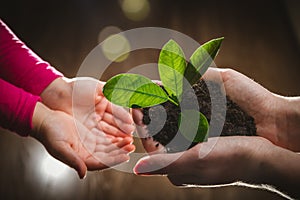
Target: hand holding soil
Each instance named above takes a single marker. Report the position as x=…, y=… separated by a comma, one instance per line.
x=228, y=119
x=250, y=159
x=276, y=117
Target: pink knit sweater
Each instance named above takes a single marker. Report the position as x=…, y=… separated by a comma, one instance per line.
x=23, y=77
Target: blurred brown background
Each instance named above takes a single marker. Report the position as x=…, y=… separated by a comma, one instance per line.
x=262, y=40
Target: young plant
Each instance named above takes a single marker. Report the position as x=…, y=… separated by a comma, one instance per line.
x=137, y=91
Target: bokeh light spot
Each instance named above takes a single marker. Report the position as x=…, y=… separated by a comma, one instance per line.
x=108, y=31
x=116, y=48
x=135, y=10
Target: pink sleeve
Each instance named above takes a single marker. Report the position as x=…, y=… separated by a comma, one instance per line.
x=22, y=67
x=16, y=108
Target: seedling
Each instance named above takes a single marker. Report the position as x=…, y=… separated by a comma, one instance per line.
x=137, y=91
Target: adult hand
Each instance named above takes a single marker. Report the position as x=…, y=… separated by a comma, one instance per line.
x=238, y=158
x=71, y=142
x=277, y=118
x=225, y=160
x=220, y=160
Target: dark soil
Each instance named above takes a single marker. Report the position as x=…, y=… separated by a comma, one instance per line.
x=162, y=122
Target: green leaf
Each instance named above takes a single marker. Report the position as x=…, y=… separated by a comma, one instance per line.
x=133, y=90
x=193, y=125
x=201, y=60
x=171, y=67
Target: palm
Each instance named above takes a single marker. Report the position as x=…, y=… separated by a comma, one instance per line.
x=257, y=101
x=71, y=142
x=83, y=99
x=94, y=114
x=100, y=150
x=91, y=108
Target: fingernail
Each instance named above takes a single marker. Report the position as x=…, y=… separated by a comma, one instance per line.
x=138, y=170
x=84, y=175
x=142, y=167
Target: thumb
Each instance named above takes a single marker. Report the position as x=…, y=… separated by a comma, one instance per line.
x=158, y=164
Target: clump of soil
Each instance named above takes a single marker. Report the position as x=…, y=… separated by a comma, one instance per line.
x=162, y=122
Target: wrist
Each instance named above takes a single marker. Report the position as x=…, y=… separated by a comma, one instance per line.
x=288, y=122
x=255, y=153
x=280, y=169
x=40, y=113
x=58, y=95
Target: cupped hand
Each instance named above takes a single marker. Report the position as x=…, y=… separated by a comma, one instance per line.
x=83, y=99
x=221, y=160
x=92, y=125
x=81, y=148
x=275, y=116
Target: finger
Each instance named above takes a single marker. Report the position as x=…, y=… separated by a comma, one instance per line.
x=159, y=164
x=98, y=133
x=101, y=105
x=98, y=90
x=137, y=116
x=118, y=159
x=100, y=162
x=101, y=137
x=110, y=119
x=105, y=141
x=140, y=127
x=94, y=163
x=124, y=150
x=120, y=113
x=69, y=157
x=92, y=120
x=181, y=180
x=106, y=148
x=213, y=74
x=142, y=132
x=113, y=160
x=153, y=147
x=150, y=145
x=126, y=146
x=100, y=87
x=112, y=150
x=129, y=148
x=111, y=130
x=124, y=142
x=113, y=146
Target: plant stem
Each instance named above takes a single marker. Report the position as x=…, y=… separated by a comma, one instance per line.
x=173, y=101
